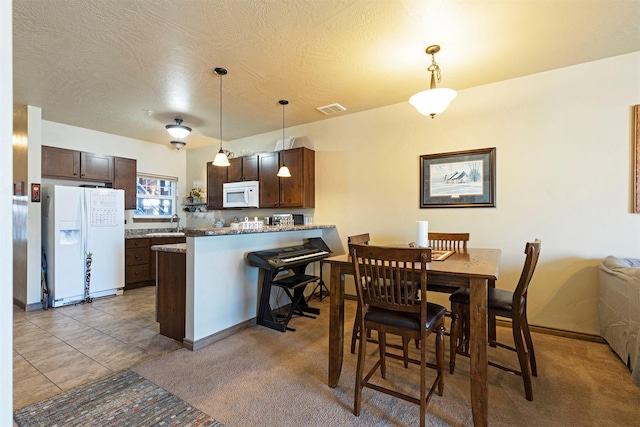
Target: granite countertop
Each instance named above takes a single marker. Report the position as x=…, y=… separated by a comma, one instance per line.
x=226, y=231
x=144, y=233
x=221, y=231
x=179, y=248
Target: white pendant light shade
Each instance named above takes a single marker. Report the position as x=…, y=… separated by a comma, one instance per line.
x=432, y=101
x=284, y=172
x=221, y=159
x=178, y=130
x=178, y=144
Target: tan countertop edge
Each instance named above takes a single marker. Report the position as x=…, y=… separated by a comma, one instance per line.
x=228, y=231
x=180, y=248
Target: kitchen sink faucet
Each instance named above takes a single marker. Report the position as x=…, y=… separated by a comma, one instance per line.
x=177, y=218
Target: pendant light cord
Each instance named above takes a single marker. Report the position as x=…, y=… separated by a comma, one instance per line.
x=221, y=111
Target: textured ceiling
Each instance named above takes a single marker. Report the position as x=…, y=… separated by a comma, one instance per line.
x=102, y=64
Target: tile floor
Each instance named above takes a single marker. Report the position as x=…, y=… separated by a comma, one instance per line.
x=61, y=348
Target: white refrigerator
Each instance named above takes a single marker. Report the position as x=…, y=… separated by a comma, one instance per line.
x=76, y=222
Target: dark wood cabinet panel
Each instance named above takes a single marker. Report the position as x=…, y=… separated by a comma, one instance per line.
x=269, y=181
x=137, y=256
x=77, y=165
x=250, y=168
x=153, y=254
x=234, y=171
x=136, y=262
x=96, y=167
x=125, y=175
x=298, y=191
x=216, y=176
x=140, y=260
x=172, y=294
x=60, y=162
x=243, y=169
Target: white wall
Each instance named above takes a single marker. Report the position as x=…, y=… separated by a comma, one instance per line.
x=564, y=175
x=6, y=191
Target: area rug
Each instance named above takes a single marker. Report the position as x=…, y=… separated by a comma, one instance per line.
x=122, y=399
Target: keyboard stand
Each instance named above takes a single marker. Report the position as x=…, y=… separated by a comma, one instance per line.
x=294, y=287
x=321, y=288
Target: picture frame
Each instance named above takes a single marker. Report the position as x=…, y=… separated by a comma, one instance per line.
x=35, y=192
x=636, y=151
x=461, y=179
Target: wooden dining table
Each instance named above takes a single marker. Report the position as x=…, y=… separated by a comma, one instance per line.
x=473, y=268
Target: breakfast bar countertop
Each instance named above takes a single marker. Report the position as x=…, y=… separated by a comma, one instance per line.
x=226, y=231
x=218, y=231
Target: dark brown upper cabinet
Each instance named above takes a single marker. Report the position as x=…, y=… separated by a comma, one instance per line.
x=243, y=169
x=73, y=164
x=96, y=167
x=298, y=191
x=125, y=178
x=216, y=176
x=60, y=163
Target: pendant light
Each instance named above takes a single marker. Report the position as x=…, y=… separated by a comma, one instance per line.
x=434, y=100
x=178, y=144
x=283, y=172
x=178, y=130
x=221, y=158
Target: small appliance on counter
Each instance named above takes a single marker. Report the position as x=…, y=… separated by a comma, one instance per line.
x=288, y=219
x=251, y=225
x=282, y=219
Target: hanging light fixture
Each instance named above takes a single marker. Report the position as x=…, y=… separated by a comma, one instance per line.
x=178, y=130
x=221, y=158
x=433, y=101
x=283, y=172
x=178, y=144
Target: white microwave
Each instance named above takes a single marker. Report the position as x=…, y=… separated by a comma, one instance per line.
x=243, y=194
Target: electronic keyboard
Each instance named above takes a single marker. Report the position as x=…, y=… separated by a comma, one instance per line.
x=292, y=256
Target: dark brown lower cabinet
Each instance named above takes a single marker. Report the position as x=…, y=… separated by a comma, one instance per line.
x=171, y=293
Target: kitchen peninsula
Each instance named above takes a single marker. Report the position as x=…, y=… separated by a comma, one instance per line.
x=221, y=289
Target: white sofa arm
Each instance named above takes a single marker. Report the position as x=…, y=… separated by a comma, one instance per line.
x=620, y=309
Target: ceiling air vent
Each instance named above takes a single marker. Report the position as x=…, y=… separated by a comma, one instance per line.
x=331, y=109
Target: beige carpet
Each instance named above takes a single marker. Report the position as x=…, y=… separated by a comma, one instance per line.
x=260, y=377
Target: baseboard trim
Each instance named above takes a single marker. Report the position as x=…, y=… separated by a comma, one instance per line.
x=203, y=342
x=28, y=307
x=558, y=332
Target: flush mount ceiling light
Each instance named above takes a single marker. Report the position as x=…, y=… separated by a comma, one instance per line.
x=283, y=172
x=221, y=158
x=434, y=100
x=178, y=130
x=178, y=144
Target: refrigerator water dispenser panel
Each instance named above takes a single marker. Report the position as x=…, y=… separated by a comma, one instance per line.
x=70, y=232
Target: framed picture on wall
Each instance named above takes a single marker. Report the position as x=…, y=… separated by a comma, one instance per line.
x=460, y=179
x=636, y=145
x=35, y=192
